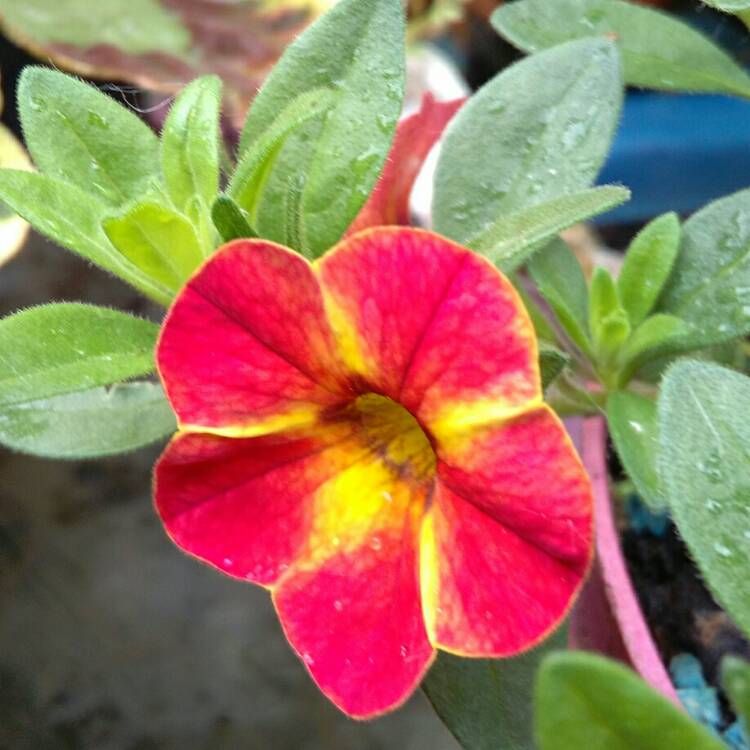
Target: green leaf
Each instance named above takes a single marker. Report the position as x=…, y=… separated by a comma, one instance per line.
x=559, y=279
x=704, y=464
x=54, y=361
x=229, y=220
x=585, y=701
x=604, y=298
x=135, y=26
x=656, y=337
x=609, y=337
x=542, y=326
x=254, y=170
x=159, y=241
x=729, y=6
x=608, y=322
x=86, y=424
x=648, y=263
x=78, y=134
x=486, y=703
x=60, y=348
x=710, y=282
x=512, y=240
x=356, y=49
x=634, y=428
x=551, y=363
x=545, y=125
x=67, y=215
x=735, y=677
x=190, y=144
x=13, y=229
x=658, y=50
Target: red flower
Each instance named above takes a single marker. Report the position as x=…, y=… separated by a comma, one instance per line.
x=365, y=436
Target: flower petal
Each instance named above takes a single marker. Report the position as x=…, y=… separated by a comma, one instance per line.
x=508, y=539
x=246, y=348
x=351, y=605
x=415, y=136
x=245, y=505
x=432, y=325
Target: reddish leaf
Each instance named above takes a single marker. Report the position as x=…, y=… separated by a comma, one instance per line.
x=238, y=41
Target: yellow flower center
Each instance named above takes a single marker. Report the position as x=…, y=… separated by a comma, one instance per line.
x=395, y=435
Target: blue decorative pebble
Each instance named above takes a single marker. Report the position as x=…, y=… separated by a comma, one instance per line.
x=642, y=519
x=702, y=704
x=700, y=700
x=736, y=737
x=687, y=672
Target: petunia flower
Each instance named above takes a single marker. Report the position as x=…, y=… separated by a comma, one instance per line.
x=365, y=437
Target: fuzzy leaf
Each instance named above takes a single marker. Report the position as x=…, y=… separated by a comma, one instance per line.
x=634, y=428
x=709, y=286
x=560, y=280
x=159, y=241
x=229, y=220
x=704, y=464
x=190, y=144
x=486, y=703
x=72, y=218
x=76, y=133
x=658, y=50
x=251, y=176
x=544, y=330
x=729, y=6
x=13, y=229
x=545, y=125
x=585, y=701
x=551, y=363
x=357, y=50
x=657, y=336
x=604, y=299
x=87, y=424
x=61, y=348
x=648, y=263
x=514, y=238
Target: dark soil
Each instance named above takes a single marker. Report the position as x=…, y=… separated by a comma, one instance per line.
x=682, y=614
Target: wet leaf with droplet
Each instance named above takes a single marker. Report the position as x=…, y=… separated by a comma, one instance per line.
x=704, y=465
x=709, y=286
x=658, y=50
x=325, y=170
x=55, y=360
x=534, y=148
x=633, y=426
